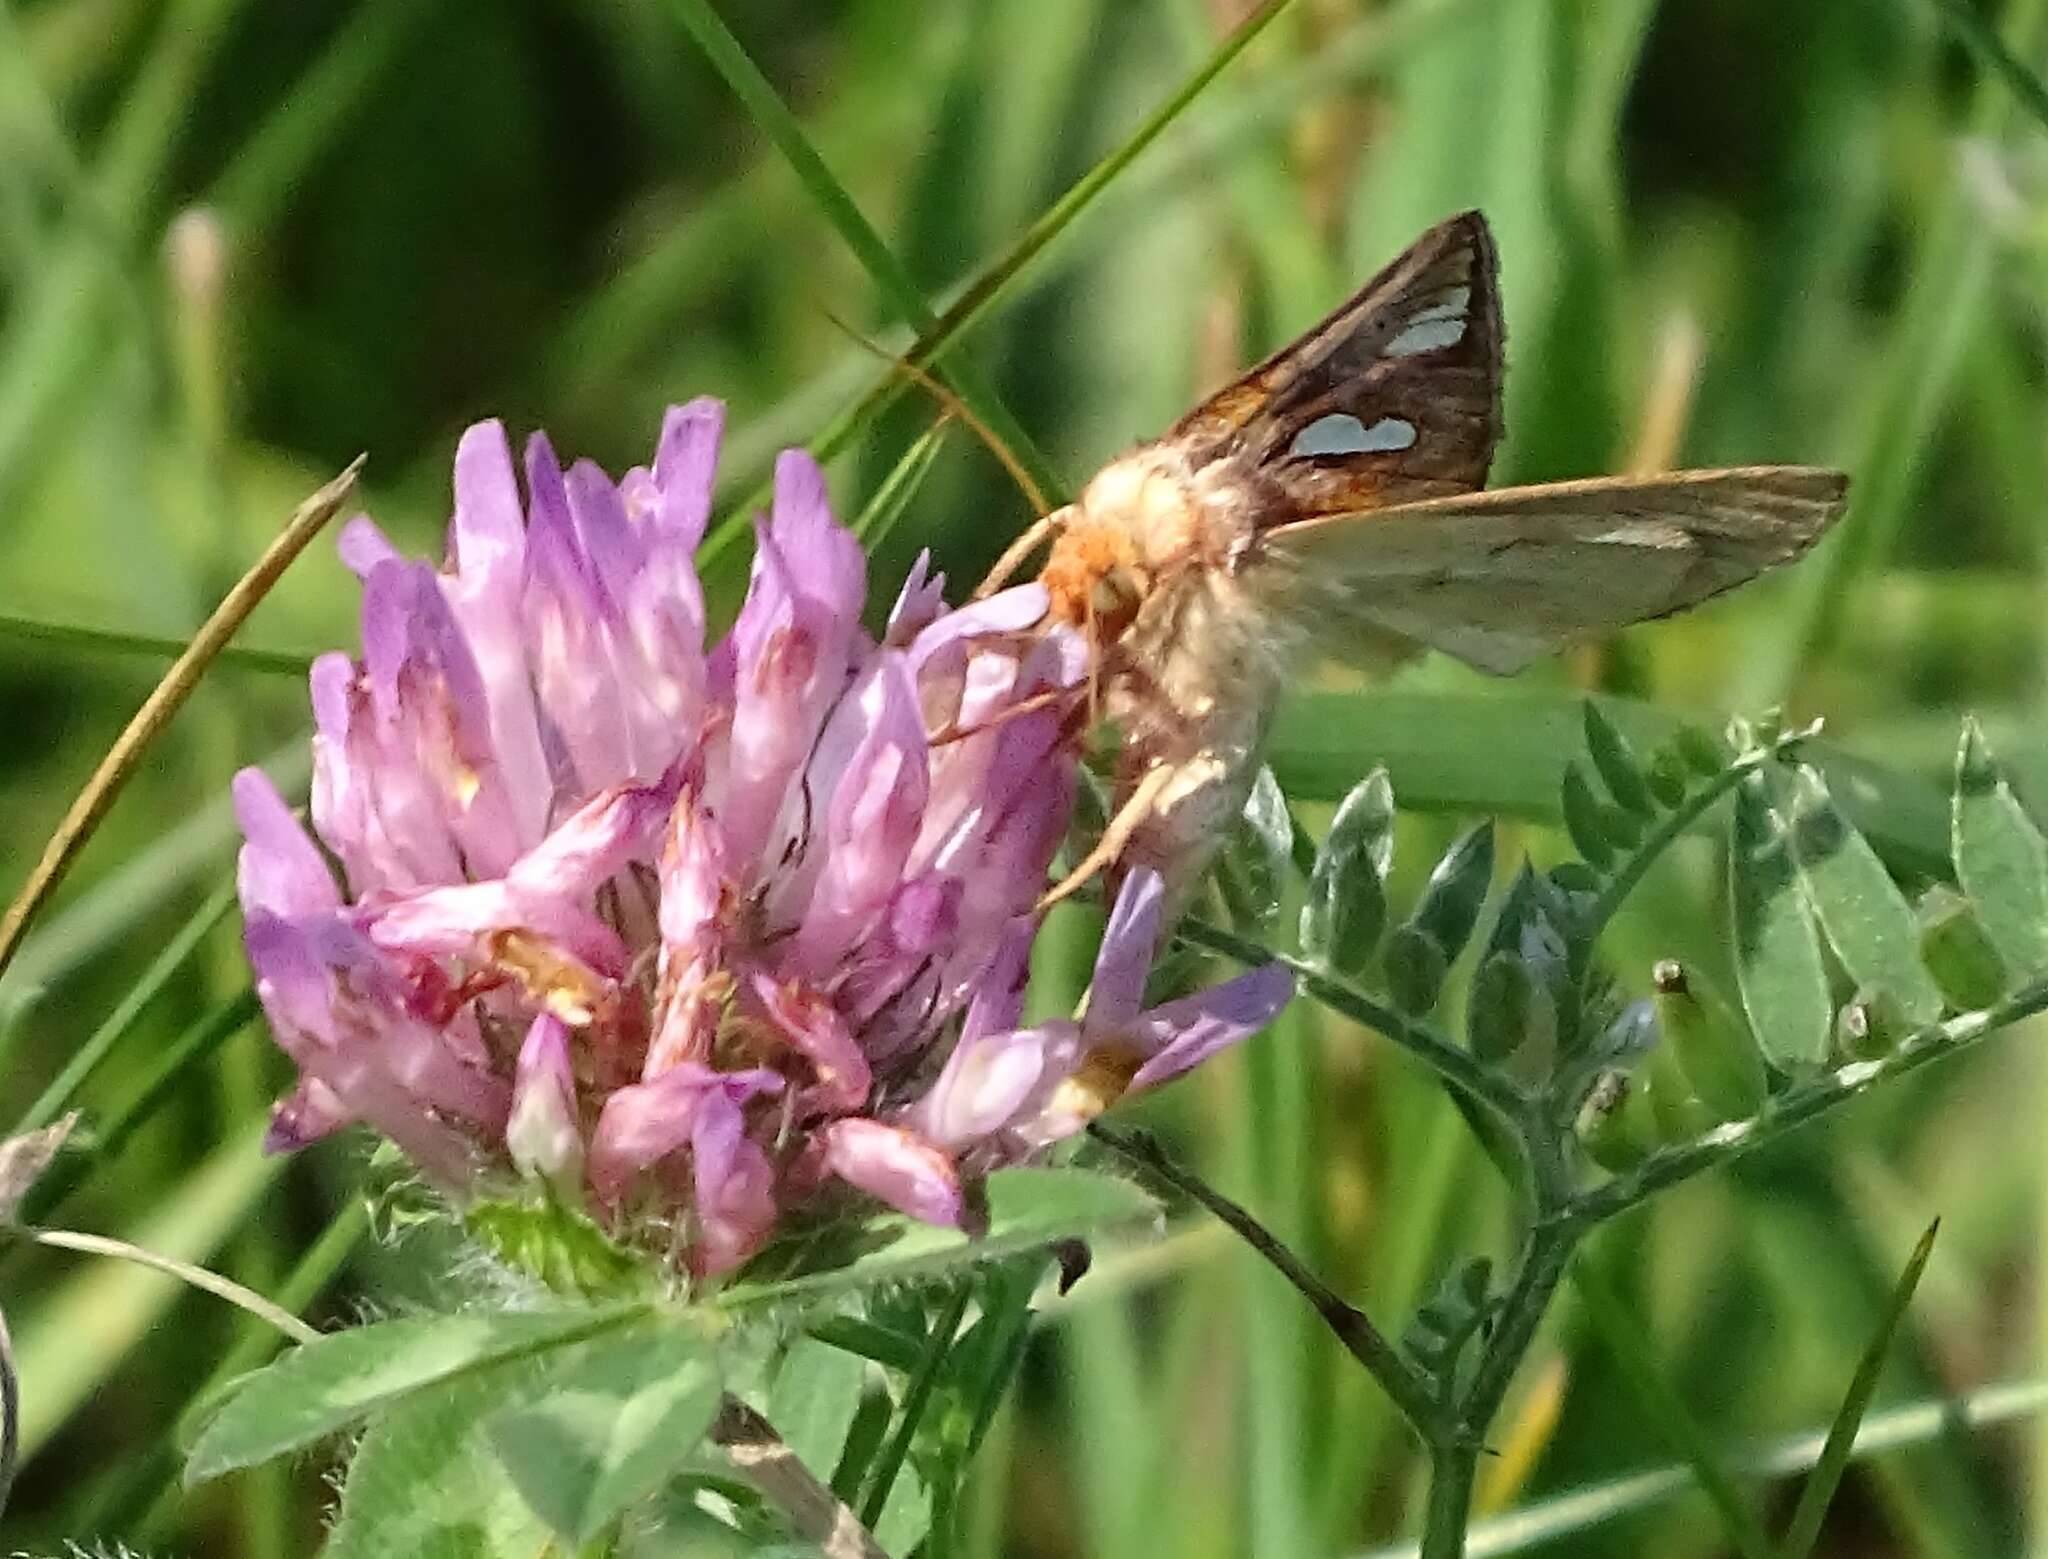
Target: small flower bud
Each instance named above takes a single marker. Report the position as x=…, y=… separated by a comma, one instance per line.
x=541, y=1132
x=1713, y=1050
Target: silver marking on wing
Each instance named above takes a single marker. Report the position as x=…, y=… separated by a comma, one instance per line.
x=1340, y=433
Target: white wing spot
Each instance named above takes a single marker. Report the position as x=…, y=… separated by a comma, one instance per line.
x=1342, y=434
x=1426, y=334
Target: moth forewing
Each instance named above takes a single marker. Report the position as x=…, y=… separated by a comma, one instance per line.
x=1502, y=578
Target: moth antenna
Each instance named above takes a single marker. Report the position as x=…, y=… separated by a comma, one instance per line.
x=954, y=407
x=1014, y=555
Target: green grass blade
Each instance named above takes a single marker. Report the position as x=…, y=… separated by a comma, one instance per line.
x=1657, y=1401
x=892, y=499
x=1476, y=753
x=64, y=1087
x=1946, y=301
x=90, y=638
x=1819, y=1490
x=992, y=283
x=897, y=287
x=1982, y=40
x=116, y=1303
x=312, y=113
x=1578, y=1511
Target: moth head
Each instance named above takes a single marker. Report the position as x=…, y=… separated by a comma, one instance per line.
x=1133, y=522
x=1094, y=577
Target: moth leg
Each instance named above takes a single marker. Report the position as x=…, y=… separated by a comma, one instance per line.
x=1130, y=817
x=1041, y=530
x=1031, y=705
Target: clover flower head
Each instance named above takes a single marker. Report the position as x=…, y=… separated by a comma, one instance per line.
x=690, y=937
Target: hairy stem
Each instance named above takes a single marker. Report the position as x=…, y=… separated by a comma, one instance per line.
x=1451, y=1471
x=1546, y=1254
x=1351, y=1326
x=1490, y=1090
x=1799, y=1104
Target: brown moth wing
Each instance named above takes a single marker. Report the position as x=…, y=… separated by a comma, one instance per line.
x=1395, y=397
x=1499, y=579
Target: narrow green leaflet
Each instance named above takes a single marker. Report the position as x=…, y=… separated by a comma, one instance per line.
x=1449, y=906
x=327, y=1385
x=1258, y=857
x=423, y=1482
x=1586, y=819
x=604, y=1423
x=1502, y=1011
x=1777, y=951
x=2001, y=859
x=1027, y=1208
x=1819, y=1490
x=1347, y=897
x=1867, y=920
x=1620, y=770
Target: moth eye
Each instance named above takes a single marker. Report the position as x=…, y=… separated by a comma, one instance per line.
x=1342, y=434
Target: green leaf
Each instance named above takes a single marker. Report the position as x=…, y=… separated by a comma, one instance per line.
x=1819, y=1490
x=1867, y=919
x=1507, y=1010
x=1958, y=952
x=1778, y=964
x=1451, y=899
x=813, y=1398
x=1258, y=857
x=1620, y=770
x=1668, y=778
x=423, y=1481
x=602, y=1424
x=1585, y=819
x=1347, y=899
x=891, y=279
x=2001, y=860
x=1532, y=927
x=561, y=1246
x=1416, y=966
x=1027, y=1208
x=1702, y=749
x=327, y=1385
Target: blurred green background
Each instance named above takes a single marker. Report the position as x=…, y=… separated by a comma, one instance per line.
x=241, y=242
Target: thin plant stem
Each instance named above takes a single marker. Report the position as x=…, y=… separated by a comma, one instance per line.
x=1491, y=1090
x=186, y=1272
x=157, y=710
x=1350, y=1325
x=916, y=1398
x=1799, y=1104
x=1452, y=1469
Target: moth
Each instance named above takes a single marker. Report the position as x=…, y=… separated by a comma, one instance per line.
x=1333, y=499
